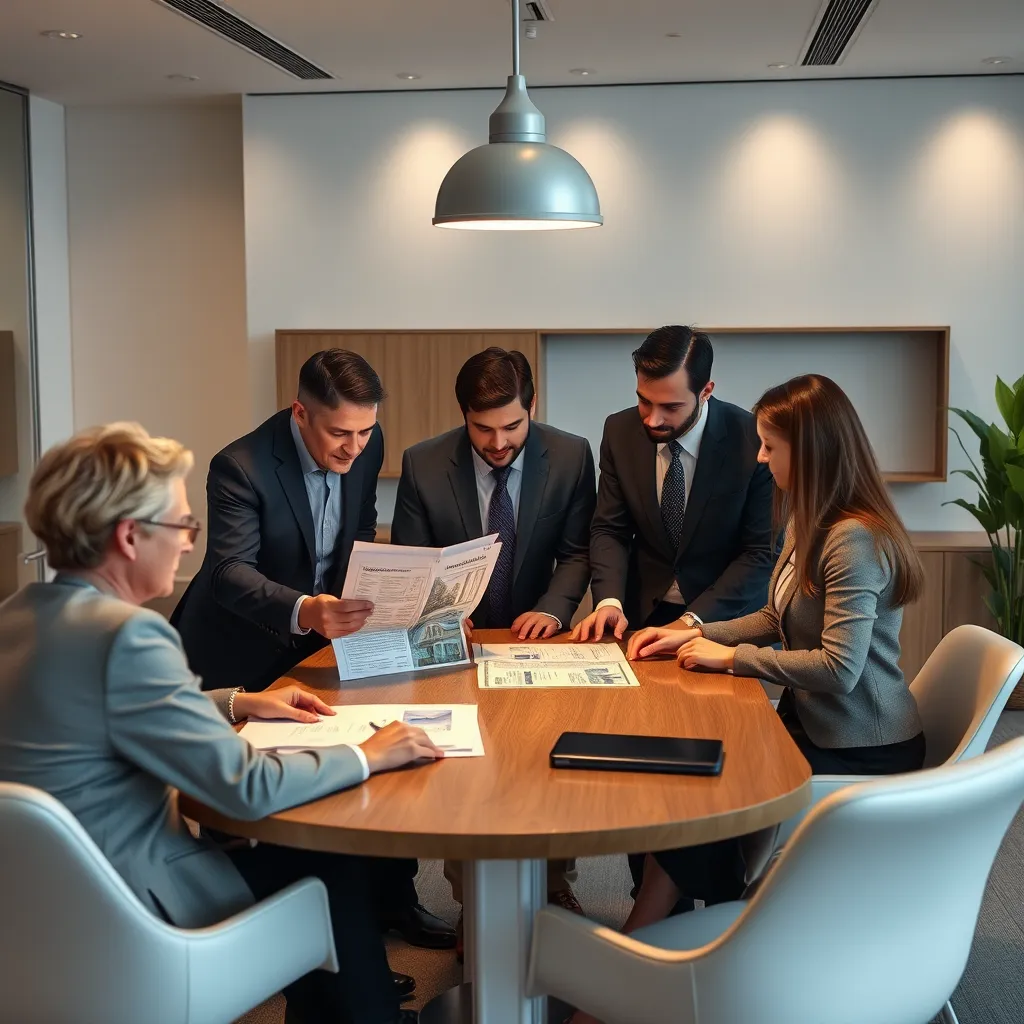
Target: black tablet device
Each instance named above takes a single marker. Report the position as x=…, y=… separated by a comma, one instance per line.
x=617, y=753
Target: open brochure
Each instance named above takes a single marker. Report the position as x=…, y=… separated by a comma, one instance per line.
x=453, y=727
x=420, y=598
x=500, y=666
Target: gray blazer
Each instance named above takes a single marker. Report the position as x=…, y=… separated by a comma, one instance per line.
x=99, y=708
x=841, y=648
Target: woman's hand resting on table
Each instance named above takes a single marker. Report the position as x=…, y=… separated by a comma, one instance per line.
x=703, y=653
x=291, y=702
x=655, y=640
x=397, y=744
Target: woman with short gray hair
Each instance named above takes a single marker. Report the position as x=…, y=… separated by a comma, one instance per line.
x=99, y=708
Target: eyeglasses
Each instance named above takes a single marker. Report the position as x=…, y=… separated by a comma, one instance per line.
x=191, y=524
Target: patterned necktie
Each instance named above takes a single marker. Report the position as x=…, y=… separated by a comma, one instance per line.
x=501, y=520
x=673, y=496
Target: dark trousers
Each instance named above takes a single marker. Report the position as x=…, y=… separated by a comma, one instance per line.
x=363, y=991
x=715, y=872
x=392, y=884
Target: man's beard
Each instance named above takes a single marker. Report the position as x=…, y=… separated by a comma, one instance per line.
x=663, y=437
x=508, y=462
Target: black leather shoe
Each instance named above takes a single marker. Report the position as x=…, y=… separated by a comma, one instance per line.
x=404, y=986
x=408, y=1017
x=419, y=927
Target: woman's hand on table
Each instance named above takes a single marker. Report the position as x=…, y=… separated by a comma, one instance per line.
x=291, y=702
x=397, y=744
x=655, y=640
x=699, y=652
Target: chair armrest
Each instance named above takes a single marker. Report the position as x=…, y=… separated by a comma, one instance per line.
x=237, y=964
x=607, y=974
x=821, y=787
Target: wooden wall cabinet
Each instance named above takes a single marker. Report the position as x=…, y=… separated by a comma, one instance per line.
x=10, y=552
x=8, y=407
x=954, y=593
x=418, y=370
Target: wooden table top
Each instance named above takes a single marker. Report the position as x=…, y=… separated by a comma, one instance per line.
x=512, y=804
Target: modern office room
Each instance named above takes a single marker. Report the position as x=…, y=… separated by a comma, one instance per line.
x=511, y=512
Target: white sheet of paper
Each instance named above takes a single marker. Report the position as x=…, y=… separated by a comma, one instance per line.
x=453, y=727
x=563, y=653
x=493, y=675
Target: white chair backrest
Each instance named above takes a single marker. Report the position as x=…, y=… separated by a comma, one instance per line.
x=962, y=689
x=75, y=942
x=871, y=909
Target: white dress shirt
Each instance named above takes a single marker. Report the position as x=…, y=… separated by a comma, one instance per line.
x=690, y=442
x=485, y=484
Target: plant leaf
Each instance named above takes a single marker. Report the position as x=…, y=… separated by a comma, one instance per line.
x=1016, y=477
x=972, y=476
x=976, y=423
x=1005, y=399
x=1013, y=504
x=1017, y=424
x=997, y=606
x=986, y=520
x=998, y=445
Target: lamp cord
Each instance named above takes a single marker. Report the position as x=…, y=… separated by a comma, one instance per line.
x=515, y=37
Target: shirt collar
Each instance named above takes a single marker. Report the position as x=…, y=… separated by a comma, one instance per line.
x=306, y=461
x=690, y=441
x=483, y=469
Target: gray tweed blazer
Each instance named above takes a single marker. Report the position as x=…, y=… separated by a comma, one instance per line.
x=841, y=648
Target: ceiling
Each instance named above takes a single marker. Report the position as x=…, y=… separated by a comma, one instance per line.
x=130, y=47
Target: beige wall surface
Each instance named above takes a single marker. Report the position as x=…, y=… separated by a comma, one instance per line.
x=157, y=253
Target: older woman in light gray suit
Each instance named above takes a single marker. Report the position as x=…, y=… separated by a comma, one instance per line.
x=99, y=708
x=835, y=601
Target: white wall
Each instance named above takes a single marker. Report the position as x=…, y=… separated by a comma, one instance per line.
x=156, y=235
x=890, y=202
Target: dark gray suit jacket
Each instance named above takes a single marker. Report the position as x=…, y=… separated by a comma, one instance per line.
x=437, y=505
x=235, y=617
x=725, y=552
x=99, y=708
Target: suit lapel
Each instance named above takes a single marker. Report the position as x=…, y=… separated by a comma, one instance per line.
x=787, y=549
x=462, y=478
x=531, y=494
x=645, y=461
x=289, y=472
x=704, y=475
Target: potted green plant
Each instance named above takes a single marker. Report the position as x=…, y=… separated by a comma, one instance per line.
x=1000, y=508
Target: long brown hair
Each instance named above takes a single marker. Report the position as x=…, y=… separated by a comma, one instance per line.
x=833, y=475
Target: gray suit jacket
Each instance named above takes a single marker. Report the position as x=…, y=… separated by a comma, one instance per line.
x=437, y=505
x=841, y=648
x=99, y=708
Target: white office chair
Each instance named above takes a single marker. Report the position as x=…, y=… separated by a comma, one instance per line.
x=868, y=915
x=77, y=946
x=961, y=691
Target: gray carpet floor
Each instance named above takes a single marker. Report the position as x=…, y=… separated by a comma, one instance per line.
x=990, y=992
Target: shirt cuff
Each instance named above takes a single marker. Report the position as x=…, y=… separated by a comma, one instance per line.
x=358, y=751
x=296, y=628
x=609, y=602
x=556, y=619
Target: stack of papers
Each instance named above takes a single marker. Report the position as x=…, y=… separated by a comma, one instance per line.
x=452, y=727
x=420, y=598
x=551, y=665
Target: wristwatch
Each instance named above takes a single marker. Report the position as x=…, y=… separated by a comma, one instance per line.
x=691, y=621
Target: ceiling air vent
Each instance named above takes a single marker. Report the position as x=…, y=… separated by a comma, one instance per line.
x=230, y=26
x=535, y=10
x=834, y=31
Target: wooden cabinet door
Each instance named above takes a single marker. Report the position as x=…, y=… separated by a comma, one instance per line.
x=965, y=588
x=922, y=620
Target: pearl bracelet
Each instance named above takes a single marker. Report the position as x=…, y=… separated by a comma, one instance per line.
x=231, y=704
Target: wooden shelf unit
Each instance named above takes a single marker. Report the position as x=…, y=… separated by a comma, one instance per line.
x=8, y=407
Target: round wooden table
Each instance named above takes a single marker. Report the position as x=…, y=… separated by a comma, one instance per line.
x=507, y=812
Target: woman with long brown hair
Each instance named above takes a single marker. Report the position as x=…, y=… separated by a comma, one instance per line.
x=835, y=602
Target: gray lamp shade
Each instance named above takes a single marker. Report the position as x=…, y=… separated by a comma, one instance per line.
x=517, y=181
x=518, y=186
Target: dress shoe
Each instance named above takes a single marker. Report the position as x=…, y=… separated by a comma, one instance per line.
x=566, y=899
x=419, y=927
x=408, y=1016
x=405, y=986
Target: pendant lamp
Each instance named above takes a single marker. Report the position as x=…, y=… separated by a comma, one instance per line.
x=517, y=182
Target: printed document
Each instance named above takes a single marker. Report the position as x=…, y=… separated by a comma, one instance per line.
x=452, y=727
x=552, y=665
x=420, y=598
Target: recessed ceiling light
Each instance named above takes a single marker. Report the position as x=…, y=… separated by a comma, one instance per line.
x=56, y=33
x=583, y=72
x=182, y=78
x=408, y=76
x=778, y=67
x=996, y=60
